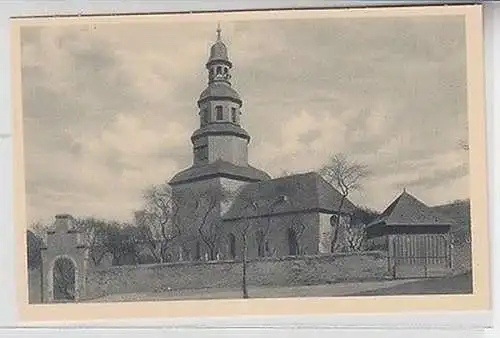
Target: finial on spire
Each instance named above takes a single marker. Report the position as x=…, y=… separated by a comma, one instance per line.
x=218, y=31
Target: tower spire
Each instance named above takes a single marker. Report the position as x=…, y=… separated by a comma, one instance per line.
x=218, y=31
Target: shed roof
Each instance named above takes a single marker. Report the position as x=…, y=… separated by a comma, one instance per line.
x=407, y=210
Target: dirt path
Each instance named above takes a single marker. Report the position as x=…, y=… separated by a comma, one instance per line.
x=447, y=285
x=329, y=290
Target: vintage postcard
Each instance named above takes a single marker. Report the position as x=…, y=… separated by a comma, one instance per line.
x=267, y=163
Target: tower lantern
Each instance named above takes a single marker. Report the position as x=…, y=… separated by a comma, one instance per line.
x=220, y=136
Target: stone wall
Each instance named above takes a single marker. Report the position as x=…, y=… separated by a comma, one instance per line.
x=35, y=286
x=288, y=271
x=462, y=258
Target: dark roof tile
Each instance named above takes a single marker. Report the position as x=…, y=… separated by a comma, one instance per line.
x=220, y=128
x=408, y=210
x=302, y=192
x=219, y=169
x=220, y=90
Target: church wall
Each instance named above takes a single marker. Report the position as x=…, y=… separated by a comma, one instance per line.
x=325, y=233
x=343, y=225
x=228, y=148
x=275, y=233
x=231, y=187
x=192, y=200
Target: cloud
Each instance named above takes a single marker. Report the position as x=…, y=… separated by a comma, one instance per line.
x=108, y=110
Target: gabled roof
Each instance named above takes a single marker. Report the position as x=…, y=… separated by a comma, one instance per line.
x=219, y=169
x=289, y=194
x=407, y=210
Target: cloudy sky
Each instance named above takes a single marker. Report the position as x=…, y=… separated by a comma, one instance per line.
x=109, y=109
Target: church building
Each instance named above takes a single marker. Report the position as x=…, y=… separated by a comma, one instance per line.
x=224, y=205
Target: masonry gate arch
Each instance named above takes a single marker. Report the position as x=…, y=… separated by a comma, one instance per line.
x=64, y=262
x=64, y=279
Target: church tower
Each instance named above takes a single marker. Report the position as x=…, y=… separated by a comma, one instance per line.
x=220, y=136
x=220, y=144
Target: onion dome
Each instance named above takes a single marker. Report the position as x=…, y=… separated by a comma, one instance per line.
x=218, y=51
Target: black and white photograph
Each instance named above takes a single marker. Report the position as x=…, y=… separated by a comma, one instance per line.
x=231, y=157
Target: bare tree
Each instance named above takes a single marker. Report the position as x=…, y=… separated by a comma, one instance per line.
x=104, y=237
x=34, y=244
x=122, y=241
x=95, y=232
x=356, y=230
x=39, y=229
x=267, y=208
x=158, y=221
x=208, y=205
x=355, y=238
x=346, y=175
x=244, y=254
x=299, y=228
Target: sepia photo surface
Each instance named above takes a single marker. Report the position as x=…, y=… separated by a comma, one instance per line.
x=281, y=162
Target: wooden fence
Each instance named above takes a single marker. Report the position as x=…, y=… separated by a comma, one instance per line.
x=420, y=255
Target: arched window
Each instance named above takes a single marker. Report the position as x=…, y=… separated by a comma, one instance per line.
x=334, y=220
x=225, y=70
x=335, y=223
x=181, y=253
x=232, y=246
x=233, y=114
x=218, y=112
x=259, y=236
x=293, y=245
x=197, y=253
x=219, y=70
